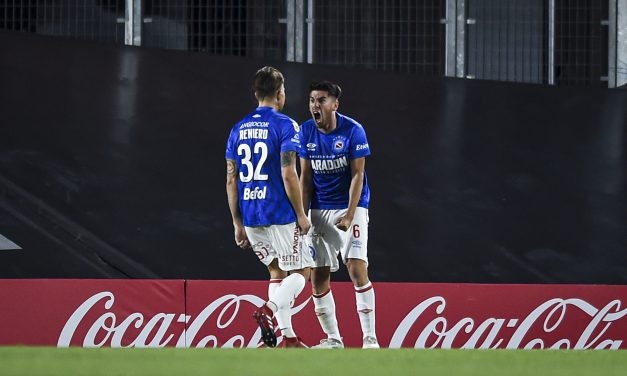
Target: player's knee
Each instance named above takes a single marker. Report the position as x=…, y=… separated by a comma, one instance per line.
x=358, y=271
x=306, y=273
x=320, y=280
x=275, y=271
x=320, y=287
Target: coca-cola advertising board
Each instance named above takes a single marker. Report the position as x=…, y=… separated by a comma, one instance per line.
x=156, y=313
x=91, y=313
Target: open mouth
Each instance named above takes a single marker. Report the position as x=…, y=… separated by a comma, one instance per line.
x=316, y=115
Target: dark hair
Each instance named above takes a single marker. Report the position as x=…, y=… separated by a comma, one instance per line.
x=334, y=90
x=267, y=82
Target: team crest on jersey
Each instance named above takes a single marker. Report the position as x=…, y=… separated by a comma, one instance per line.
x=338, y=144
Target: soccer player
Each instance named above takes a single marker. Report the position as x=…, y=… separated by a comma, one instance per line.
x=335, y=189
x=266, y=204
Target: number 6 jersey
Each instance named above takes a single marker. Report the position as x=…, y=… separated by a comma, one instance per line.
x=255, y=144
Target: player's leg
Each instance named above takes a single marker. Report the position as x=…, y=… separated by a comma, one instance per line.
x=295, y=282
x=262, y=246
x=355, y=255
x=276, y=278
x=297, y=261
x=260, y=242
x=365, y=301
x=278, y=304
x=264, y=314
x=273, y=284
x=324, y=306
x=326, y=241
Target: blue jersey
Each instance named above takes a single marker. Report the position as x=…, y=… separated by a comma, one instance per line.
x=330, y=156
x=256, y=143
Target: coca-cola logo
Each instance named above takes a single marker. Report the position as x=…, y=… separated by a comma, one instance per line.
x=221, y=323
x=442, y=334
x=109, y=329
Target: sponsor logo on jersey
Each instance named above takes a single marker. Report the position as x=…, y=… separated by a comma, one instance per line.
x=296, y=138
x=296, y=244
x=290, y=259
x=255, y=194
x=311, y=146
x=258, y=124
x=361, y=147
x=356, y=244
x=329, y=165
x=256, y=116
x=312, y=252
x=296, y=127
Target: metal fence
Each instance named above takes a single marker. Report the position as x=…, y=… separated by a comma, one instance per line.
x=393, y=35
x=581, y=42
x=236, y=27
x=98, y=20
x=505, y=40
x=561, y=42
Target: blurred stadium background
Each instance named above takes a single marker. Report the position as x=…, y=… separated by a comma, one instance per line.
x=497, y=126
x=555, y=42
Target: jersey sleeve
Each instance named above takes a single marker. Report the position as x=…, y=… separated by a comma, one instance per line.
x=302, y=136
x=359, y=144
x=290, y=137
x=230, y=145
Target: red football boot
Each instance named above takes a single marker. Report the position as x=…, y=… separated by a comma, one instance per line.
x=293, y=342
x=263, y=317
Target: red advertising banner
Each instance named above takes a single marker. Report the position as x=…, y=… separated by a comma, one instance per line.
x=506, y=316
x=154, y=313
x=91, y=313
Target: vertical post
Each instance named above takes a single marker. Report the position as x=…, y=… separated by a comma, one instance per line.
x=620, y=45
x=289, y=35
x=551, y=44
x=461, y=39
x=612, y=46
x=299, y=30
x=128, y=22
x=138, y=19
x=450, y=30
x=310, y=30
x=133, y=23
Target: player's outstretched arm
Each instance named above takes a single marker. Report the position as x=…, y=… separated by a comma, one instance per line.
x=292, y=188
x=233, y=197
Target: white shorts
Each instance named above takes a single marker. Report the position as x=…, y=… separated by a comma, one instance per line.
x=329, y=241
x=282, y=242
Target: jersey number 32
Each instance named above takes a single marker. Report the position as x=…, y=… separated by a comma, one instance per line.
x=252, y=172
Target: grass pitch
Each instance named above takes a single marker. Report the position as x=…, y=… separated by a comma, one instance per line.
x=297, y=362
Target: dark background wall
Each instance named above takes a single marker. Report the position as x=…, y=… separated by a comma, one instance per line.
x=112, y=165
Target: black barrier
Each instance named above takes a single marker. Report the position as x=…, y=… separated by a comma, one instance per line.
x=112, y=164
